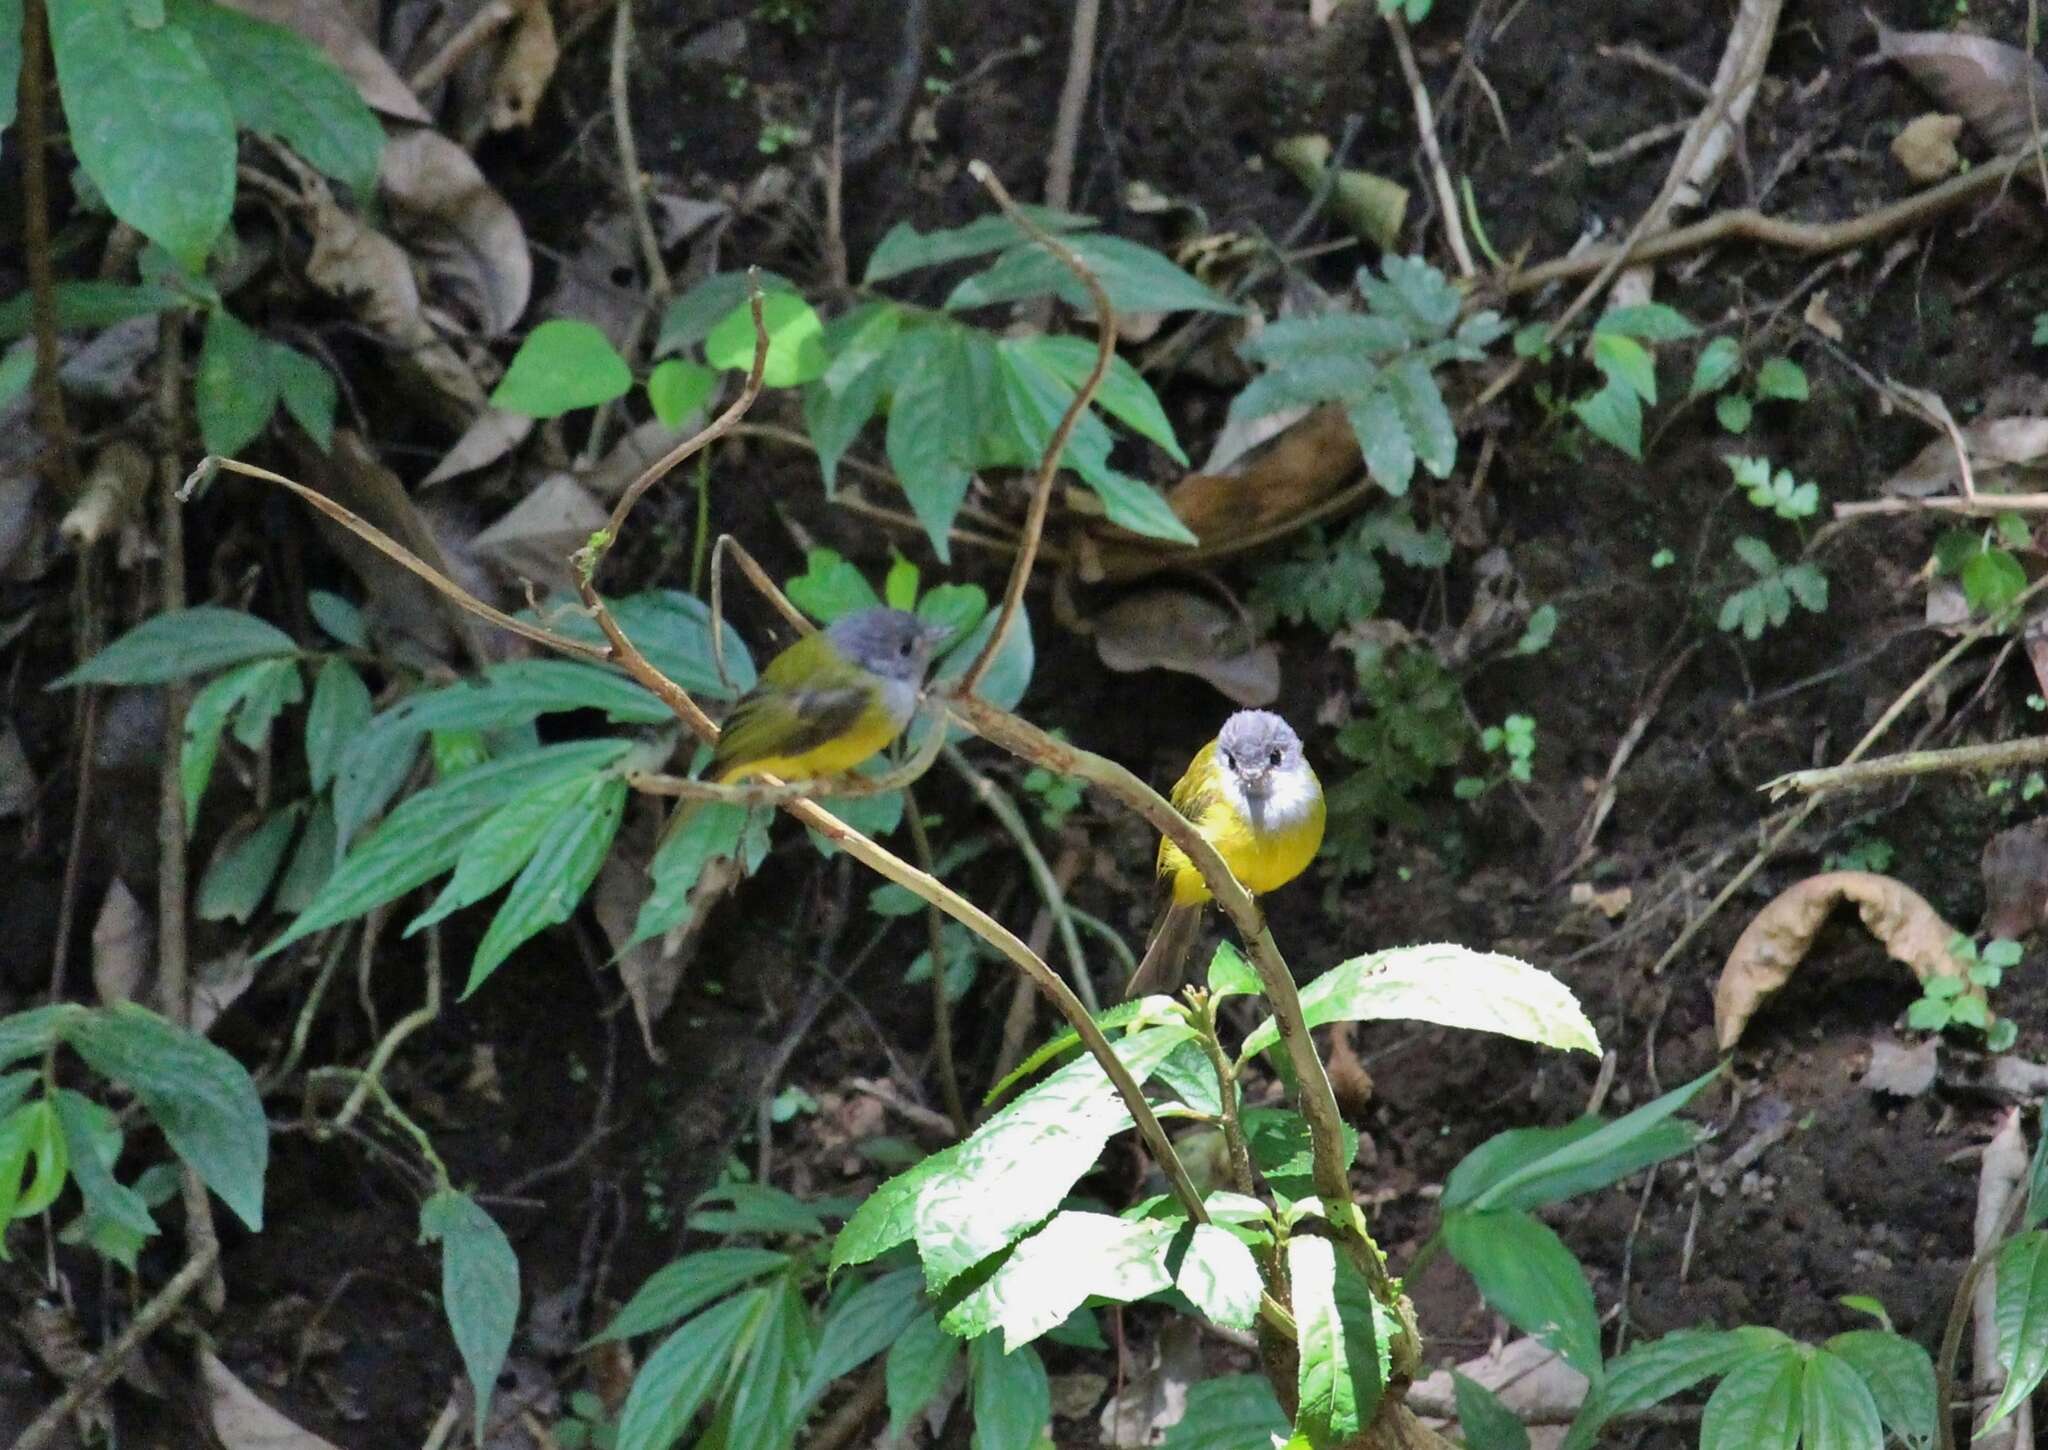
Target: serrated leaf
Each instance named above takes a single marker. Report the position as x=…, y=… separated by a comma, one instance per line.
x=149, y=123
x=1124, y=394
x=1450, y=985
x=504, y=842
x=1012, y=1399
x=905, y=249
x=479, y=1288
x=1649, y=321
x=1383, y=439
x=2021, y=1314
x=1717, y=363
x=1414, y=293
x=1343, y=1343
x=199, y=1095
x=1423, y=412
x=796, y=350
x=1230, y=974
x=1525, y=1271
x=1836, y=1407
x=940, y=395
x=1756, y=1406
x=763, y=1406
x=1233, y=1412
x=1283, y=1151
x=234, y=390
x=282, y=86
x=1653, y=1372
x=563, y=364
x=1220, y=1278
x=554, y=880
x=178, y=644
x=1076, y=1256
x=687, y=1285
x=682, y=1373
x=1135, y=278
x=919, y=1364
x=863, y=1325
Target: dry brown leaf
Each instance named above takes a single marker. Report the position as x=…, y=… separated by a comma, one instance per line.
x=244, y=1422
x=1901, y=1069
x=1986, y=80
x=598, y=283
x=1820, y=319
x=525, y=66
x=494, y=434
x=534, y=540
x=1156, y=1397
x=1610, y=904
x=112, y=492
x=1349, y=1079
x=1778, y=938
x=1527, y=1375
x=1233, y=512
x=653, y=970
x=330, y=27
x=1176, y=629
x=1927, y=147
x=123, y=946
x=2015, y=871
x=1997, y=447
x=218, y=984
x=471, y=239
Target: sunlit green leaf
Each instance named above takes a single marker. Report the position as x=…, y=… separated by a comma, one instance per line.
x=1525, y=1271
x=563, y=364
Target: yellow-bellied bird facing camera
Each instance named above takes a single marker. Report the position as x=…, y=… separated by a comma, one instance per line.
x=1252, y=795
x=830, y=701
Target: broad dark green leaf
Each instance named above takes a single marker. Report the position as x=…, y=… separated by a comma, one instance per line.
x=178, y=644
x=673, y=629
x=201, y=1097
x=765, y=1404
x=1282, y=1152
x=708, y=831
x=1649, y=321
x=687, y=1285
x=1450, y=985
x=917, y=1368
x=1757, y=1405
x=282, y=86
x=1836, y=1406
x=341, y=619
x=426, y=835
x=905, y=249
x=946, y=383
x=1529, y=1168
x=205, y=719
x=863, y=1325
x=2021, y=1313
x=341, y=709
x=49, y=1155
x=30, y=1033
x=564, y=363
x=307, y=390
x=1007, y=678
x=1900, y=1377
x=692, y=315
x=1233, y=1412
x=796, y=348
x=834, y=419
x=10, y=59
x=503, y=844
x=1486, y=1422
x=239, y=876
x=273, y=684
x=1653, y=1372
x=83, y=305
x=1188, y=1074
x=1124, y=393
x=1343, y=1342
x=564, y=864
x=1018, y=1165
x=312, y=861
x=94, y=1136
x=1136, y=279
x=1011, y=1397
x=1230, y=975
x=149, y=123
x=1054, y=1271
x=479, y=1288
x=758, y=1208
x=1525, y=1271
x=1614, y=414
x=682, y=1373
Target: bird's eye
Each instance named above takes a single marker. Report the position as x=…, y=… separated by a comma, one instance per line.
x=1229, y=760
x=906, y=647
x=1273, y=759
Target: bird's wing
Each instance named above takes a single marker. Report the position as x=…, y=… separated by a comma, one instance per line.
x=1193, y=796
x=760, y=727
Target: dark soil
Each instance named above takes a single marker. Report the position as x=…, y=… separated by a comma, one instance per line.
x=332, y=1307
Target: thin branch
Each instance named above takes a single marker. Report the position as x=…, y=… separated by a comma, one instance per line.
x=1066, y=124
x=942, y=1001
x=1049, y=465
x=35, y=239
x=1984, y=504
x=658, y=282
x=2002, y=755
x=1425, y=124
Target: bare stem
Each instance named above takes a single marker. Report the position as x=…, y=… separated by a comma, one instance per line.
x=2000, y=755
x=942, y=1003
x=35, y=237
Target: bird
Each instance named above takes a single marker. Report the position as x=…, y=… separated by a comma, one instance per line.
x=1253, y=795
x=831, y=701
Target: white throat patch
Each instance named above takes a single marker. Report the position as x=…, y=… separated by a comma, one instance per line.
x=1291, y=794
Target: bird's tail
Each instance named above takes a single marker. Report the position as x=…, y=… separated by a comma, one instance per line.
x=1166, y=951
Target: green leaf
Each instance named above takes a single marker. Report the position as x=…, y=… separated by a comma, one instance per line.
x=918, y=1366
x=834, y=418
x=947, y=382
x=563, y=364
x=479, y=1288
x=503, y=844
x=562, y=868
x=1529, y=1168
x=710, y=831
x=830, y=587
x=1992, y=580
x=1230, y=975
x=49, y=1150
x=233, y=390
x=341, y=619
x=273, y=684
x=1614, y=415
x=857, y=340
x=1232, y=1412
x=1219, y=1277
x=682, y=1373
x=1416, y=294
x=1899, y=1375
x=239, y=876
x=1757, y=1405
x=1838, y=1410
x=280, y=85
x=94, y=1138
x=796, y=351
x=307, y=390
x=1124, y=393
x=690, y=318
x=1136, y=279
x=149, y=122
x=1734, y=411
x=1383, y=439
x=1450, y=985
x=863, y=1325
x=1344, y=1341
x=30, y=1033
x=1649, y=321
x=18, y=363
x=757, y=1208
x=1076, y=1256
x=765, y=1406
x=1423, y=413
x=205, y=718
x=18, y=1133
x=1486, y=1422
x=2021, y=1314
x=10, y=59
x=1058, y=1045
x=87, y=305
x=1717, y=363
x=1624, y=361
x=687, y=1285
x=426, y=835
x=1012, y=1400
x=1283, y=1151
x=178, y=644
x=1525, y=1271
x=341, y=709
x=201, y=1097
x=905, y=249
x=1781, y=378
x=1653, y=1372
x=677, y=389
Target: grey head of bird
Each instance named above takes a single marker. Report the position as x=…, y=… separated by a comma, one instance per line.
x=1259, y=749
x=892, y=643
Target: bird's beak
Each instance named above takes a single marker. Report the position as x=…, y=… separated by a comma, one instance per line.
x=936, y=635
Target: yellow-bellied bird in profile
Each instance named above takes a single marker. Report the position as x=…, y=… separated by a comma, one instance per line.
x=1252, y=795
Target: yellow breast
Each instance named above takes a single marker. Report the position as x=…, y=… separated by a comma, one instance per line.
x=1263, y=860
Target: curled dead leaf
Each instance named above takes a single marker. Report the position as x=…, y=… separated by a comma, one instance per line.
x=112, y=492
x=534, y=540
x=1927, y=147
x=1175, y=629
x=1778, y=938
x=1986, y=80
x=494, y=434
x=244, y=1422
x=1997, y=447
x=123, y=946
x=471, y=239
x=525, y=66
